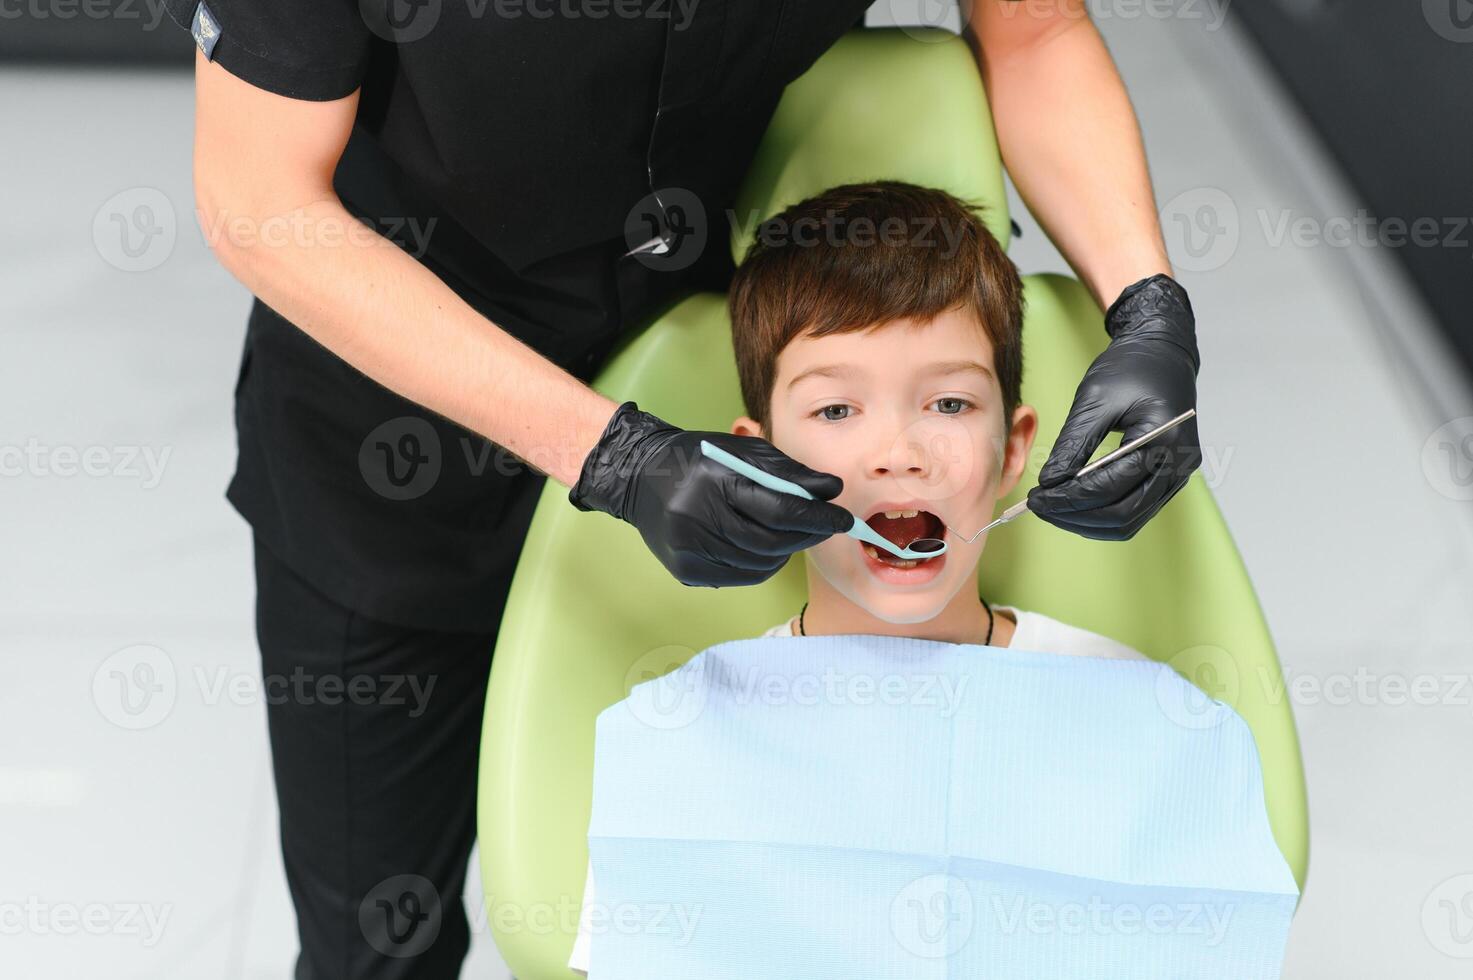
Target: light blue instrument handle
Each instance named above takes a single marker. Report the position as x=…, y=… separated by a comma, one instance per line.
x=860, y=530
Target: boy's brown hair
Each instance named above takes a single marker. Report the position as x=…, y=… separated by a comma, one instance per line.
x=827, y=265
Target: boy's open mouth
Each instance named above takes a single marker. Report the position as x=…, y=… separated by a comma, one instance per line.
x=900, y=528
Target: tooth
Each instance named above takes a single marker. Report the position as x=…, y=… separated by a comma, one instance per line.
x=909, y=513
x=887, y=558
x=892, y=514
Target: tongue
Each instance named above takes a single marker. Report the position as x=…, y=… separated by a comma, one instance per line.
x=901, y=531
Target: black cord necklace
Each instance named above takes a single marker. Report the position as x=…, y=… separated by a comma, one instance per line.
x=986, y=642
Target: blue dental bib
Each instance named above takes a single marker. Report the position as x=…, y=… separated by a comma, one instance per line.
x=880, y=807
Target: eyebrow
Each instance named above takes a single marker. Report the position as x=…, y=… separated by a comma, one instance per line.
x=938, y=368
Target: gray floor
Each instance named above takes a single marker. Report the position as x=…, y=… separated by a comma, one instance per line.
x=143, y=844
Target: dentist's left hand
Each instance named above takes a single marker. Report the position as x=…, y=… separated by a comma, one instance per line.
x=706, y=523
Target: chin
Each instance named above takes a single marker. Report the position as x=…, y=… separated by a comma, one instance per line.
x=904, y=609
x=889, y=612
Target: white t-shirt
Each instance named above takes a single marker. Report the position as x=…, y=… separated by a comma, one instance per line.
x=1034, y=631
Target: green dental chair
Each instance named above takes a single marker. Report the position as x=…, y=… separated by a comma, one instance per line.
x=591, y=612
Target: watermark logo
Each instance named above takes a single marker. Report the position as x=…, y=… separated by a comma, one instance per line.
x=665, y=691
x=1447, y=917
x=401, y=916
x=1202, y=229
x=932, y=916
x=139, y=687
x=136, y=687
x=1212, y=683
x=667, y=230
x=1452, y=20
x=928, y=20
x=1447, y=459
x=135, y=230
x=935, y=458
x=401, y=458
x=400, y=21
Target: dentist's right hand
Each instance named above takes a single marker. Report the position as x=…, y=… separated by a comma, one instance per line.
x=707, y=524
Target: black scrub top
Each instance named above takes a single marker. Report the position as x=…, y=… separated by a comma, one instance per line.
x=504, y=144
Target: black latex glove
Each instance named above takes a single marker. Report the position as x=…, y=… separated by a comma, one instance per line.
x=707, y=524
x=1147, y=376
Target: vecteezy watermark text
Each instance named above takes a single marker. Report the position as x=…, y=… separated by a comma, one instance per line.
x=38, y=917
x=123, y=462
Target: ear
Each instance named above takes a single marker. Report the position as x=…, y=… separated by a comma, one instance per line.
x=1020, y=444
x=747, y=426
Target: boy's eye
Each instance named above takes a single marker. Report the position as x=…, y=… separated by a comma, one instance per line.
x=950, y=406
x=956, y=401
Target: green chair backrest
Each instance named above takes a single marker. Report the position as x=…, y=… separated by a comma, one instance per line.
x=591, y=612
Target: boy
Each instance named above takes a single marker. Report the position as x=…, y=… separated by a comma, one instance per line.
x=878, y=336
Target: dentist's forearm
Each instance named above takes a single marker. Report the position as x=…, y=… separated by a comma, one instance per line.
x=1071, y=142
x=376, y=307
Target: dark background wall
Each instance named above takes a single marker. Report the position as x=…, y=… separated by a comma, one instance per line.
x=1389, y=86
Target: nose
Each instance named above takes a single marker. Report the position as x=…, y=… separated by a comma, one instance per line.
x=931, y=456
x=903, y=454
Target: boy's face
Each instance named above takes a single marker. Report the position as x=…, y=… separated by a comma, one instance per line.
x=909, y=415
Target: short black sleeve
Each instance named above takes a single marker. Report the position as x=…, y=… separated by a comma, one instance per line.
x=303, y=49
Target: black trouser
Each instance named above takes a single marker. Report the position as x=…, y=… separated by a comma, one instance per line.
x=375, y=731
